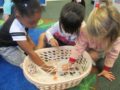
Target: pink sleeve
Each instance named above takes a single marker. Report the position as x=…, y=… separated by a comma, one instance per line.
x=81, y=45
x=113, y=54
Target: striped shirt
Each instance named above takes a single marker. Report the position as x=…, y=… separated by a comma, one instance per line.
x=11, y=32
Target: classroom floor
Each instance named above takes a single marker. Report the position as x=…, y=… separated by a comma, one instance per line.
x=53, y=8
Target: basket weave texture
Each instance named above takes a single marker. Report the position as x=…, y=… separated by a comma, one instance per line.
x=53, y=56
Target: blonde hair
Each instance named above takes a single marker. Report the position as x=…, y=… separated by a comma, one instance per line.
x=104, y=21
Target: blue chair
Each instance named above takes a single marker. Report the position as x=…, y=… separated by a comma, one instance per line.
x=42, y=2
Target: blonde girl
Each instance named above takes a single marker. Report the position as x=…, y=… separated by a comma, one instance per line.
x=101, y=35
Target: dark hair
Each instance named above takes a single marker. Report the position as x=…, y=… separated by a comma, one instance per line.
x=27, y=7
x=82, y=2
x=71, y=17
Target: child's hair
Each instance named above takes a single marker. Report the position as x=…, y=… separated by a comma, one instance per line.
x=27, y=7
x=81, y=2
x=71, y=17
x=104, y=22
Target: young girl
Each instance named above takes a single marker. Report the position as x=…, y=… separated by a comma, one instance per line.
x=64, y=32
x=13, y=34
x=102, y=35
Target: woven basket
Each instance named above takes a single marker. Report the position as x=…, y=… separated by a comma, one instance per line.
x=53, y=56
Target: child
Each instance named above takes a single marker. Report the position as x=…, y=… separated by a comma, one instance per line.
x=13, y=33
x=64, y=32
x=102, y=35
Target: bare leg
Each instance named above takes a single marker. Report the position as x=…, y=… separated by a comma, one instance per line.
x=94, y=55
x=41, y=43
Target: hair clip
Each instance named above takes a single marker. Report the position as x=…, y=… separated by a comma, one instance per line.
x=25, y=5
x=78, y=0
x=97, y=5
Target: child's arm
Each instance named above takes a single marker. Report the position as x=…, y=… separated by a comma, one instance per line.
x=50, y=32
x=79, y=48
x=81, y=45
x=31, y=43
x=110, y=59
x=25, y=46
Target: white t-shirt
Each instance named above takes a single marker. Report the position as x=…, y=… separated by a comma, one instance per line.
x=17, y=31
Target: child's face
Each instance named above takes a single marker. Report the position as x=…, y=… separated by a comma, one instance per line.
x=31, y=21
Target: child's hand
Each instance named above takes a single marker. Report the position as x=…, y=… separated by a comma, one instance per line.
x=53, y=42
x=107, y=75
x=49, y=69
x=66, y=67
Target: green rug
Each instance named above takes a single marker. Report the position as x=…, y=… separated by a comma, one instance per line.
x=45, y=23
x=42, y=24
x=87, y=83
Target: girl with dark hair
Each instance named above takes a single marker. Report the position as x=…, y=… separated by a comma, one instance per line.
x=65, y=31
x=13, y=34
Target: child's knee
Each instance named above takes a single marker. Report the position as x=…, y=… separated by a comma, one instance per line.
x=42, y=36
x=94, y=55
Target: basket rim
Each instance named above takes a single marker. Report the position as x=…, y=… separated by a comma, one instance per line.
x=84, y=74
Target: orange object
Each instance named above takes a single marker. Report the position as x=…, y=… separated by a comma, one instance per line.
x=55, y=77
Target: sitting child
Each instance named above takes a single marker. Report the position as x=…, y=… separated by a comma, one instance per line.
x=14, y=37
x=66, y=30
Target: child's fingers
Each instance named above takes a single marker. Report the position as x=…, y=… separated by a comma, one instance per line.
x=100, y=74
x=56, y=43
x=52, y=71
x=110, y=76
x=107, y=75
x=49, y=69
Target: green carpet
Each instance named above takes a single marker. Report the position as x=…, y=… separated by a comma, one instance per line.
x=87, y=83
x=42, y=24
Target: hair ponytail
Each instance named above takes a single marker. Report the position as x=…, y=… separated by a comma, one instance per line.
x=82, y=2
x=104, y=21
